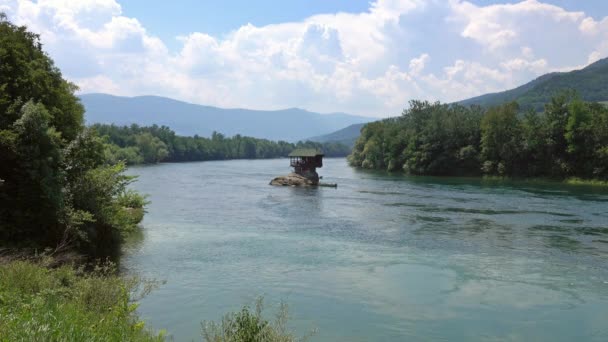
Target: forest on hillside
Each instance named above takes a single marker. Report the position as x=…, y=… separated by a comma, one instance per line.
x=588, y=83
x=148, y=145
x=569, y=138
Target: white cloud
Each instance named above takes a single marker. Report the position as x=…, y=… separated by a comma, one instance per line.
x=503, y=25
x=98, y=84
x=418, y=64
x=596, y=30
x=518, y=64
x=367, y=63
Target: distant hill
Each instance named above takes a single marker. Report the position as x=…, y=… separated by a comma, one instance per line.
x=346, y=136
x=591, y=84
x=190, y=119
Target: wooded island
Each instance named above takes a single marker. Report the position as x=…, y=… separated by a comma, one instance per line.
x=568, y=139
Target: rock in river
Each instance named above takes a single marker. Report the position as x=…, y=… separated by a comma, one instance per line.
x=293, y=179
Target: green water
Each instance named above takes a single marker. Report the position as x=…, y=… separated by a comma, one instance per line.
x=380, y=258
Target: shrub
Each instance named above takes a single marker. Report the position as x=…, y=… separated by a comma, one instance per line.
x=249, y=325
x=67, y=304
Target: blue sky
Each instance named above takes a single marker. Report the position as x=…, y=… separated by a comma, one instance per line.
x=168, y=20
x=361, y=57
x=220, y=17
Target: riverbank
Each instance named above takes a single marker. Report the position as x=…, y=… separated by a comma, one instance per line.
x=591, y=182
x=568, y=181
x=39, y=302
x=488, y=179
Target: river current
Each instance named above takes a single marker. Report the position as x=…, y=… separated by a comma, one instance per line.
x=381, y=258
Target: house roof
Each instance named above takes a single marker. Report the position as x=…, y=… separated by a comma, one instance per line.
x=305, y=152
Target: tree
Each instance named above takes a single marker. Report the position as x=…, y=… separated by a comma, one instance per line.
x=57, y=188
x=27, y=73
x=556, y=116
x=32, y=193
x=586, y=138
x=152, y=148
x=533, y=145
x=501, y=140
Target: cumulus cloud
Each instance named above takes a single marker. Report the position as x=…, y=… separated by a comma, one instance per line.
x=368, y=63
x=418, y=64
x=502, y=25
x=518, y=64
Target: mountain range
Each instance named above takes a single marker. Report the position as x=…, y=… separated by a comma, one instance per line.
x=347, y=136
x=189, y=119
x=590, y=83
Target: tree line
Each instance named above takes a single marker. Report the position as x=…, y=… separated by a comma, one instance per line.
x=147, y=145
x=569, y=138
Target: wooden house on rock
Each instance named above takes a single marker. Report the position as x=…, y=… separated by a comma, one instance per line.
x=305, y=162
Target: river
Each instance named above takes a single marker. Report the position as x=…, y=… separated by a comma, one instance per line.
x=381, y=258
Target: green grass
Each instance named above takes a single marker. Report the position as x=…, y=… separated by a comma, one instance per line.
x=580, y=181
x=38, y=303
x=569, y=181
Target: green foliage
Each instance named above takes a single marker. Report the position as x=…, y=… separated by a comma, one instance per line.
x=569, y=139
x=589, y=182
x=27, y=73
x=153, y=150
x=58, y=188
x=32, y=193
x=38, y=303
x=148, y=145
x=501, y=134
x=249, y=325
x=103, y=193
x=130, y=155
x=429, y=138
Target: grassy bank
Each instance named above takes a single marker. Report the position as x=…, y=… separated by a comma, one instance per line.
x=569, y=181
x=39, y=303
x=591, y=182
x=42, y=302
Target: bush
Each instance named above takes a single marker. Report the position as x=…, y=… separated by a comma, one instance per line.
x=67, y=304
x=250, y=326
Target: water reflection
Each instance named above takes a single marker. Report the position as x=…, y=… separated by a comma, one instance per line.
x=538, y=188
